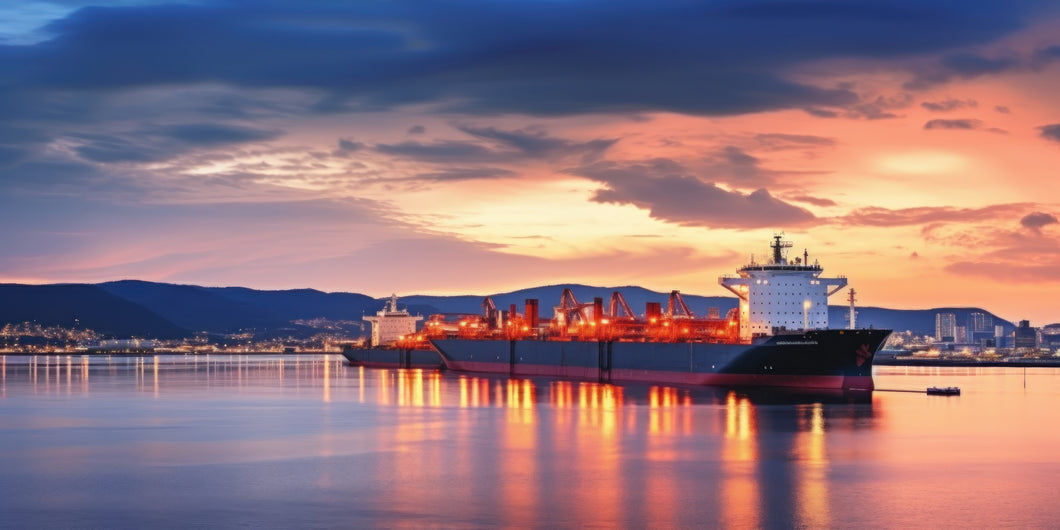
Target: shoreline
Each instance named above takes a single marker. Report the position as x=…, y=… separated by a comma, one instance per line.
x=166, y=353
x=1029, y=363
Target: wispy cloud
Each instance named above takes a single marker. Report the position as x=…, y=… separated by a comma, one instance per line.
x=1050, y=132
x=966, y=124
x=947, y=105
x=1035, y=221
x=660, y=187
x=876, y=216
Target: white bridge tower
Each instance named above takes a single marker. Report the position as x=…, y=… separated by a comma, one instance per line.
x=782, y=295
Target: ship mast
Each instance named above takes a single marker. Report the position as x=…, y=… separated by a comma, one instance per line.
x=853, y=312
x=777, y=245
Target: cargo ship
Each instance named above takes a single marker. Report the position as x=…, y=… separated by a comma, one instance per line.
x=777, y=337
x=392, y=343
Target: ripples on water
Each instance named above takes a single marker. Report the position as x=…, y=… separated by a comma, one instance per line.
x=308, y=441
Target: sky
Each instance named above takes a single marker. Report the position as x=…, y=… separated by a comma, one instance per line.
x=476, y=147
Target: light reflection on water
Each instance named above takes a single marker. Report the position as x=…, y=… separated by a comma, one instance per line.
x=309, y=441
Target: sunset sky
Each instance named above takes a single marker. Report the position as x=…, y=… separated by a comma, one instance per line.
x=475, y=147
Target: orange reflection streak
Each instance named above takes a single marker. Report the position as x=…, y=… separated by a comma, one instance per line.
x=408, y=439
x=612, y=401
x=360, y=384
x=811, y=493
x=384, y=384
x=663, y=405
x=521, y=401
x=598, y=449
x=529, y=397
x=156, y=376
x=475, y=392
x=435, y=379
x=414, y=386
x=519, y=494
x=740, y=497
x=561, y=396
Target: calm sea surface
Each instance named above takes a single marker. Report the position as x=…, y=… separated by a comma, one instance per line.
x=293, y=442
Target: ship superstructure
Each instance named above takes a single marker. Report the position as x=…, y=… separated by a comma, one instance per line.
x=781, y=295
x=391, y=324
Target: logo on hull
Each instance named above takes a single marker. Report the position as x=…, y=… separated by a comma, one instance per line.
x=863, y=354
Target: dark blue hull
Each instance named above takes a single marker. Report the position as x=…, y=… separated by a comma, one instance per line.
x=393, y=358
x=822, y=359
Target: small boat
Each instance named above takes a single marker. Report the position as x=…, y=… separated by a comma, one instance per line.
x=943, y=391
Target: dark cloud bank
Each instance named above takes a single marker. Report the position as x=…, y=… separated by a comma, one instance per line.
x=485, y=56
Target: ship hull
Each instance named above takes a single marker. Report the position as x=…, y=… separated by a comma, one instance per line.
x=393, y=358
x=818, y=359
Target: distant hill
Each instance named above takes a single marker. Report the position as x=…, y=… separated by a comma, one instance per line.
x=83, y=306
x=919, y=321
x=231, y=309
x=301, y=303
x=162, y=310
x=193, y=307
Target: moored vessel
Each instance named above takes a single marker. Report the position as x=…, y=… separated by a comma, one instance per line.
x=778, y=336
x=390, y=344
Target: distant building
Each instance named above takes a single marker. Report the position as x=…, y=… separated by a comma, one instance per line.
x=999, y=336
x=961, y=335
x=945, y=327
x=1050, y=336
x=978, y=322
x=1025, y=336
x=122, y=346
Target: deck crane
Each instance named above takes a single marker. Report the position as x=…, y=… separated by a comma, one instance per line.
x=677, y=303
x=619, y=302
x=489, y=310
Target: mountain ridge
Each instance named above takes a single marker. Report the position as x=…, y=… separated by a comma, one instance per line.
x=165, y=310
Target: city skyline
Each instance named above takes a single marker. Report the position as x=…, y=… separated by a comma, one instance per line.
x=482, y=147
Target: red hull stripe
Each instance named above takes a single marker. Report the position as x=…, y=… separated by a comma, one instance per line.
x=682, y=378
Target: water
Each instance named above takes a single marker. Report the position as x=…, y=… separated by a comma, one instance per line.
x=225, y=441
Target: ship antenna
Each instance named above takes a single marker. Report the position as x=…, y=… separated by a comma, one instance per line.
x=777, y=245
